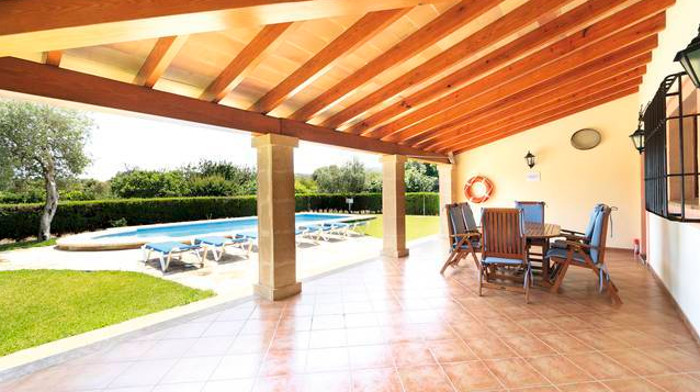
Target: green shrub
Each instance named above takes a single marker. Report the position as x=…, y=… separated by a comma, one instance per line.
x=149, y=183
x=19, y=221
x=213, y=185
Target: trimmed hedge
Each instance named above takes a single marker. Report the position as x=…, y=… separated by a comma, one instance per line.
x=18, y=221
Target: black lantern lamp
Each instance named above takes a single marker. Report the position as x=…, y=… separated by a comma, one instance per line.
x=530, y=159
x=690, y=60
x=638, y=135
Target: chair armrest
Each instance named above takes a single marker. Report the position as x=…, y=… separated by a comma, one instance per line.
x=579, y=245
x=469, y=234
x=574, y=238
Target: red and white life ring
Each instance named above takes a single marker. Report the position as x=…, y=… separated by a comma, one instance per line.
x=478, y=189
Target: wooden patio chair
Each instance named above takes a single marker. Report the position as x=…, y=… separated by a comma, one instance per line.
x=580, y=236
x=587, y=253
x=464, y=237
x=533, y=212
x=504, y=251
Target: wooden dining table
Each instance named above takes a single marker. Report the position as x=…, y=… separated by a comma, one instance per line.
x=539, y=234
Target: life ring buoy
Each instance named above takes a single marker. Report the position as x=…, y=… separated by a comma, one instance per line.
x=478, y=189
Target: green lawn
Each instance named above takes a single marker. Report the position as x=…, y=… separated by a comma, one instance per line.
x=39, y=306
x=27, y=244
x=417, y=226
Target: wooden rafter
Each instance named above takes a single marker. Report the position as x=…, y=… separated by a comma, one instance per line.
x=568, y=92
x=357, y=34
x=555, y=114
x=162, y=54
x=245, y=61
x=510, y=23
x=563, y=24
x=568, y=52
x=53, y=58
x=576, y=79
x=449, y=21
x=37, y=79
x=32, y=26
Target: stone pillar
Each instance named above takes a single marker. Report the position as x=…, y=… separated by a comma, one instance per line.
x=394, y=206
x=277, y=276
x=447, y=195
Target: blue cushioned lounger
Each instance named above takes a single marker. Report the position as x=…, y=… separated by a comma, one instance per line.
x=167, y=249
x=218, y=244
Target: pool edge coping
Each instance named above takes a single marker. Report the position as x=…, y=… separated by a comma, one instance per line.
x=79, y=242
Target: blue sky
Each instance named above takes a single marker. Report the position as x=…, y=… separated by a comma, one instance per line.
x=128, y=141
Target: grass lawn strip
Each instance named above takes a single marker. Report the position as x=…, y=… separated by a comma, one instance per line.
x=40, y=306
x=417, y=226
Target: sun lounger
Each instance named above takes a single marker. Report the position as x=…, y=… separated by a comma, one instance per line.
x=339, y=228
x=315, y=232
x=358, y=228
x=166, y=250
x=218, y=244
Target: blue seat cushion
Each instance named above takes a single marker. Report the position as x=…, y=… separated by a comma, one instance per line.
x=169, y=246
x=501, y=260
x=559, y=244
x=247, y=235
x=218, y=241
x=475, y=244
x=561, y=253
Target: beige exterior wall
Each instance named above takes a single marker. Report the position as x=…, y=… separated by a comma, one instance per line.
x=672, y=247
x=571, y=181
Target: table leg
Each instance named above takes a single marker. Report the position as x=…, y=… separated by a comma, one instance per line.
x=545, y=263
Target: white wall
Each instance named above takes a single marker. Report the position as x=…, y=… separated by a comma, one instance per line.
x=672, y=247
x=572, y=181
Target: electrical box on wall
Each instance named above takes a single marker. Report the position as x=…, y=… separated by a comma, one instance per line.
x=533, y=176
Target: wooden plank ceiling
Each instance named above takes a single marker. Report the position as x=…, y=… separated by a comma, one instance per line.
x=421, y=78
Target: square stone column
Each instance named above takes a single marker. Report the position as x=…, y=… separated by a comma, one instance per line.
x=394, y=206
x=277, y=275
x=447, y=182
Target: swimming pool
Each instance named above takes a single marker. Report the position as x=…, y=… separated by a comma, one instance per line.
x=134, y=237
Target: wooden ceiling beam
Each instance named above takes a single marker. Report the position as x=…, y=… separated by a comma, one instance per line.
x=32, y=78
x=25, y=27
x=244, y=62
x=158, y=60
x=360, y=32
x=53, y=58
x=564, y=24
x=446, y=23
x=605, y=68
x=579, y=88
x=508, y=24
x=563, y=56
x=561, y=113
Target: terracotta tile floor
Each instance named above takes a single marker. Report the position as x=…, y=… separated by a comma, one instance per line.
x=390, y=325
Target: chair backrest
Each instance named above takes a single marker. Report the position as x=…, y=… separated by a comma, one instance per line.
x=455, y=221
x=597, y=209
x=600, y=234
x=469, y=217
x=503, y=233
x=533, y=211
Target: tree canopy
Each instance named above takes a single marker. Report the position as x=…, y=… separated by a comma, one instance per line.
x=42, y=142
x=32, y=136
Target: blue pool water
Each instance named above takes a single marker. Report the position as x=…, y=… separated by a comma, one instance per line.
x=236, y=225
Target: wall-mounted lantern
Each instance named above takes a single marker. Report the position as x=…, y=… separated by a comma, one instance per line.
x=530, y=159
x=638, y=135
x=690, y=59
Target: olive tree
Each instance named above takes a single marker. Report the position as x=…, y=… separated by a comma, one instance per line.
x=42, y=142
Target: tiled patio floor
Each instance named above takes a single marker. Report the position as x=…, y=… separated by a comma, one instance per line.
x=391, y=325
